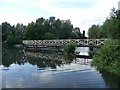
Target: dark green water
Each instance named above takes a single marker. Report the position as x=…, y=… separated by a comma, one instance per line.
x=37, y=70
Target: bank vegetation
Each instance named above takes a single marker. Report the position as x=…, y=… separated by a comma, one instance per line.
x=108, y=56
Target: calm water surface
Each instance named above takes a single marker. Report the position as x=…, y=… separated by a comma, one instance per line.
x=23, y=69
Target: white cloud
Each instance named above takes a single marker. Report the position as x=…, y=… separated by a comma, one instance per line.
x=14, y=18
x=81, y=17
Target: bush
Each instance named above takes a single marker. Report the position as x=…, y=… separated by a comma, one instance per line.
x=108, y=57
x=69, y=49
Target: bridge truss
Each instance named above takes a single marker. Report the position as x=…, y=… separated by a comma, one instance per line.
x=62, y=42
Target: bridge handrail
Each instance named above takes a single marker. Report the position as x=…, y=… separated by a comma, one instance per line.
x=59, y=42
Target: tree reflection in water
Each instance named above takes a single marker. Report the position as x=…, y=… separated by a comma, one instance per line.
x=42, y=60
x=11, y=55
x=111, y=80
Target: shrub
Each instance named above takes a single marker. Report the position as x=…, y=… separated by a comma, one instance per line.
x=69, y=49
x=108, y=57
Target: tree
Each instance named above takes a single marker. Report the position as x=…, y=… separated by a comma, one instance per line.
x=110, y=28
x=10, y=40
x=58, y=28
x=19, y=34
x=6, y=30
x=49, y=36
x=66, y=29
x=77, y=32
x=51, y=28
x=30, y=31
x=94, y=31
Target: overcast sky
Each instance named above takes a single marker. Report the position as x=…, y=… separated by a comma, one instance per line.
x=82, y=13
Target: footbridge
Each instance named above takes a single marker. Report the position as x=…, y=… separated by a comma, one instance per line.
x=62, y=42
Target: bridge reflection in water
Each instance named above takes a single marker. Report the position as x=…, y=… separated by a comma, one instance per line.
x=53, y=59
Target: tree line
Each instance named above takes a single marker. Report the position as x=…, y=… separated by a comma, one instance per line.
x=41, y=29
x=109, y=29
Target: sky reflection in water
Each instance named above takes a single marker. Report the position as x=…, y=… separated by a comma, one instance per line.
x=28, y=72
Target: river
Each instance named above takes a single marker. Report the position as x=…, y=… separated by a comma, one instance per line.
x=50, y=70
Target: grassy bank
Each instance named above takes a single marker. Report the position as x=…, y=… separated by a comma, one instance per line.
x=108, y=57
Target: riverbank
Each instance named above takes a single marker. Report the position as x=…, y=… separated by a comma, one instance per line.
x=108, y=57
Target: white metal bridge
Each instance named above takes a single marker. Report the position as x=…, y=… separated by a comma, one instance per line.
x=62, y=42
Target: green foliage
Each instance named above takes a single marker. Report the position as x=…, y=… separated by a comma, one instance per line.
x=52, y=29
x=13, y=34
x=69, y=49
x=7, y=29
x=11, y=55
x=108, y=57
x=94, y=31
x=40, y=30
x=49, y=36
x=77, y=32
x=109, y=29
x=10, y=40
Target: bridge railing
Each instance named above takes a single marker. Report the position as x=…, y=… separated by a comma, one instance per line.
x=61, y=42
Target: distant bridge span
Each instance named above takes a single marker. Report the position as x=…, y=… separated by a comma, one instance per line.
x=62, y=42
